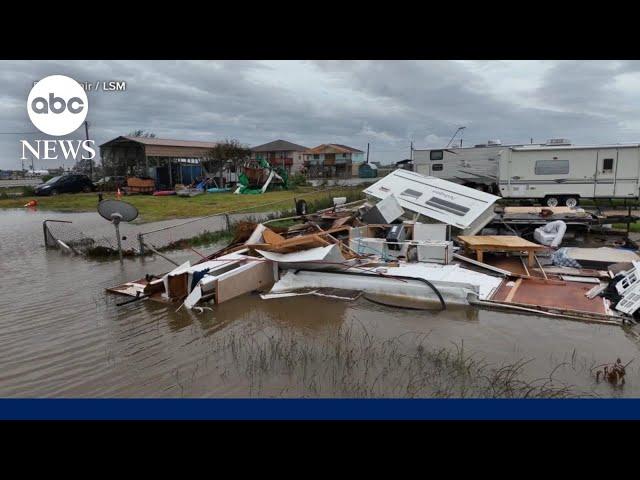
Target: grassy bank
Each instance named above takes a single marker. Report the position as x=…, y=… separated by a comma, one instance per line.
x=164, y=208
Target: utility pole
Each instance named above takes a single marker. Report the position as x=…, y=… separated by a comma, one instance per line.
x=367, y=153
x=86, y=130
x=411, y=151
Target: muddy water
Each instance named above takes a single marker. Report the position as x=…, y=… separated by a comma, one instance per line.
x=61, y=335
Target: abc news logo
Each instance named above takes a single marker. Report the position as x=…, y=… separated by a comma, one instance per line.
x=58, y=105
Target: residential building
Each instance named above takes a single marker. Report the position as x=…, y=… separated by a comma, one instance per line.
x=331, y=160
x=281, y=153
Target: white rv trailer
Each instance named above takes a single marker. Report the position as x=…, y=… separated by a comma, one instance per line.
x=474, y=167
x=562, y=175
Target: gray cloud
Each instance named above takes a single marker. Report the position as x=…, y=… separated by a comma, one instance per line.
x=385, y=103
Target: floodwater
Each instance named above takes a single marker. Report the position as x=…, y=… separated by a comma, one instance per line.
x=62, y=335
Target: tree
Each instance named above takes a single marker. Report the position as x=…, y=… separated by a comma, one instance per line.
x=141, y=133
x=85, y=165
x=230, y=152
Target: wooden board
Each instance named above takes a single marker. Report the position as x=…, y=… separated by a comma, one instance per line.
x=538, y=210
x=499, y=242
x=564, y=296
x=272, y=237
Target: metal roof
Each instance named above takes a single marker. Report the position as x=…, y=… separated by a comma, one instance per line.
x=163, y=142
x=526, y=148
x=279, y=146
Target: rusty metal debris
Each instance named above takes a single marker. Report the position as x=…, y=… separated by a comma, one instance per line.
x=613, y=373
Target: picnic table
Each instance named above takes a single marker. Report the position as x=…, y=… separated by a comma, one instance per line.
x=500, y=243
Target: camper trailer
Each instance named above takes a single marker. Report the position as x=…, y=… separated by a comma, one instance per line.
x=562, y=174
x=474, y=167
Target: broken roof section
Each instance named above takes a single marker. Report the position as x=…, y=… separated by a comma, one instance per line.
x=465, y=208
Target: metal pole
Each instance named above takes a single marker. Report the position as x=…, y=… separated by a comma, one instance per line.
x=119, y=242
x=367, y=153
x=141, y=243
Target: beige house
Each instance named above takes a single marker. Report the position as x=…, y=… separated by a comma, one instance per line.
x=281, y=153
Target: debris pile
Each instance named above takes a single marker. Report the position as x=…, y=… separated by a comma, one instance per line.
x=415, y=240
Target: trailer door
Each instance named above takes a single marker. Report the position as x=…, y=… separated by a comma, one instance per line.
x=627, y=171
x=605, y=174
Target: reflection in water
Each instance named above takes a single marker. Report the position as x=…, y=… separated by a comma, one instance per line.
x=62, y=335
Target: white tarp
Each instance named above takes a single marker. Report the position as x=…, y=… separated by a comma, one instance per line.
x=462, y=207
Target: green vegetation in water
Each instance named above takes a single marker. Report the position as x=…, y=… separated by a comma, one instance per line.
x=350, y=362
x=205, y=238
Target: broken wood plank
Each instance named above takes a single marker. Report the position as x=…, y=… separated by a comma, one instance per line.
x=512, y=292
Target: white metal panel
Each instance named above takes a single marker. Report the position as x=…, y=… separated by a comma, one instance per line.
x=435, y=198
x=461, y=165
x=627, y=173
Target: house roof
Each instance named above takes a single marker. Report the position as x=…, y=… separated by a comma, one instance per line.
x=279, y=146
x=372, y=166
x=165, y=142
x=333, y=148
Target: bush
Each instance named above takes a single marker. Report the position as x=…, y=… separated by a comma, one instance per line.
x=298, y=180
x=28, y=191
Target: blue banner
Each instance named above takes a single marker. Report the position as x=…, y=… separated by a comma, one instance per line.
x=318, y=409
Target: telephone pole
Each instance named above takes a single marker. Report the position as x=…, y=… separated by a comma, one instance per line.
x=367, y=153
x=411, y=151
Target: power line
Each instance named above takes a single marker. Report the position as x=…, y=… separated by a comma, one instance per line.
x=19, y=133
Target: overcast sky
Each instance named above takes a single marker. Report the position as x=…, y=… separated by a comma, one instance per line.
x=385, y=103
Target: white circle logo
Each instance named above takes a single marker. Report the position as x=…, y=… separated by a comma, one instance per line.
x=57, y=105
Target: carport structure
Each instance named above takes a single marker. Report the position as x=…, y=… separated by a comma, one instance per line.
x=167, y=161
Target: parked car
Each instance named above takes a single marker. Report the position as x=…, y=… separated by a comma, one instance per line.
x=72, y=183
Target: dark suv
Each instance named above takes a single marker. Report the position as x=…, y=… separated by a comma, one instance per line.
x=71, y=183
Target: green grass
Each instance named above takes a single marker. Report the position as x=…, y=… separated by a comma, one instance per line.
x=205, y=238
x=634, y=227
x=163, y=208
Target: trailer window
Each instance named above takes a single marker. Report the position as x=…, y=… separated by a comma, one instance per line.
x=607, y=165
x=436, y=154
x=436, y=167
x=552, y=167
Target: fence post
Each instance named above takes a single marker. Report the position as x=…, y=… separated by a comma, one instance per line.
x=226, y=216
x=141, y=243
x=44, y=231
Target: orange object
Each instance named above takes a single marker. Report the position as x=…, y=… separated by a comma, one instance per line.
x=32, y=203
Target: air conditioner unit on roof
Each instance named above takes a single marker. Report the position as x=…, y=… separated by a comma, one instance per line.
x=559, y=141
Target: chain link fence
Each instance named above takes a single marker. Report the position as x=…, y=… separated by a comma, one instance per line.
x=138, y=241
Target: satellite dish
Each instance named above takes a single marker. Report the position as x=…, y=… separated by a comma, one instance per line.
x=126, y=211
x=117, y=211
